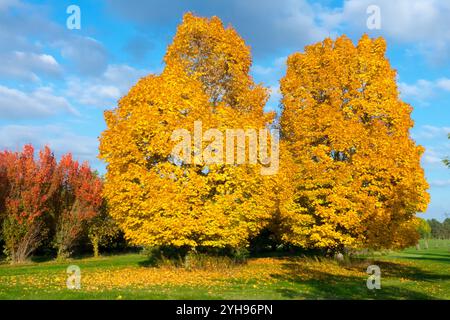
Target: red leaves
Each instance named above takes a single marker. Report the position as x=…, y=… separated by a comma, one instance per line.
x=84, y=186
x=28, y=185
x=38, y=192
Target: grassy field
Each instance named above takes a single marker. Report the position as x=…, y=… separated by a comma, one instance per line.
x=410, y=274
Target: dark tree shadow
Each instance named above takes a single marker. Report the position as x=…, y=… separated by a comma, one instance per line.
x=394, y=270
x=326, y=285
x=431, y=257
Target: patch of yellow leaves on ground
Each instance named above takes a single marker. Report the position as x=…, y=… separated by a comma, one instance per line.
x=260, y=271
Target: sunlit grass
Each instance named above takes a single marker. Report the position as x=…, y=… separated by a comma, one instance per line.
x=410, y=274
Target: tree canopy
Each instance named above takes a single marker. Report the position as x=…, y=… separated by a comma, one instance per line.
x=360, y=182
x=159, y=200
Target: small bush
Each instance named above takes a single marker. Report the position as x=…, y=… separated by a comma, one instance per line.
x=194, y=259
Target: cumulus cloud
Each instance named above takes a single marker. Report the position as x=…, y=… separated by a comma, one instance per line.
x=27, y=65
x=273, y=71
x=88, y=55
x=266, y=25
x=422, y=23
x=42, y=102
x=423, y=90
x=26, y=27
x=104, y=91
x=444, y=84
x=437, y=147
x=433, y=156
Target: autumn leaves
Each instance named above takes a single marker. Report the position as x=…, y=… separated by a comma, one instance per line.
x=43, y=201
x=160, y=201
x=349, y=174
x=359, y=171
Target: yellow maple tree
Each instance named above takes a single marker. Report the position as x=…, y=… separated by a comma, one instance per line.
x=358, y=181
x=159, y=200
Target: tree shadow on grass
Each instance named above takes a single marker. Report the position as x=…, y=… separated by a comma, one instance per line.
x=395, y=270
x=326, y=285
x=437, y=259
x=438, y=254
x=429, y=257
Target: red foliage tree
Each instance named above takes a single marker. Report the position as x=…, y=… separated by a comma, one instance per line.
x=79, y=200
x=28, y=184
x=38, y=195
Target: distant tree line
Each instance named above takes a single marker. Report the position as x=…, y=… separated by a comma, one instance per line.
x=440, y=230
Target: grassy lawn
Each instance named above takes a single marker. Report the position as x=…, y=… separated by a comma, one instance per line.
x=409, y=274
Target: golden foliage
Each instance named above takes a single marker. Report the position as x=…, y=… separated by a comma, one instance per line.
x=358, y=180
x=349, y=174
x=159, y=201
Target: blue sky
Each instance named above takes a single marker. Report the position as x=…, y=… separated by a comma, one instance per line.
x=55, y=83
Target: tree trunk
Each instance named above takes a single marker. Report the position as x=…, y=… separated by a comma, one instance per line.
x=63, y=253
x=95, y=246
x=22, y=250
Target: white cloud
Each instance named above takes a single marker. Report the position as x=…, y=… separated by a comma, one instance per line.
x=105, y=90
x=275, y=92
x=431, y=132
x=26, y=65
x=28, y=27
x=404, y=20
x=444, y=84
x=432, y=158
x=273, y=71
x=420, y=90
x=270, y=25
x=422, y=23
x=270, y=76
x=42, y=102
x=88, y=55
x=14, y=137
x=423, y=90
x=260, y=70
x=102, y=92
x=440, y=183
x=266, y=25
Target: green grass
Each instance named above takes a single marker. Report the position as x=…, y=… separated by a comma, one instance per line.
x=409, y=274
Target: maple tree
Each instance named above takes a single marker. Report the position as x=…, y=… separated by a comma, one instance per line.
x=159, y=200
x=28, y=186
x=358, y=181
x=77, y=202
x=4, y=186
x=40, y=198
x=349, y=172
x=103, y=230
